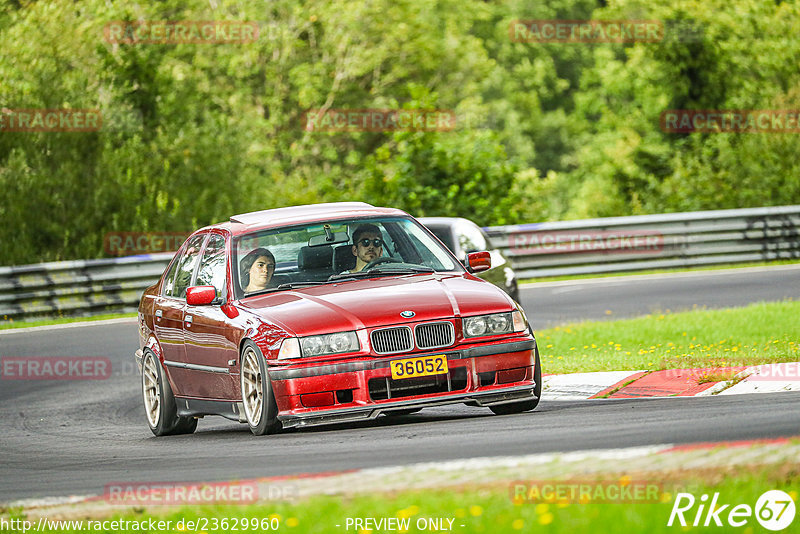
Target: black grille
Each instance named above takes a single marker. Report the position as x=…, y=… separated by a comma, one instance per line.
x=388, y=388
x=434, y=335
x=392, y=340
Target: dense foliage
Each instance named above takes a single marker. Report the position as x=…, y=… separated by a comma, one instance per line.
x=193, y=133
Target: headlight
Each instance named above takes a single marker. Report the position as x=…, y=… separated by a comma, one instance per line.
x=494, y=324
x=337, y=343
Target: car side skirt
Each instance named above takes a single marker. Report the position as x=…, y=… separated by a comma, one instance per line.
x=201, y=407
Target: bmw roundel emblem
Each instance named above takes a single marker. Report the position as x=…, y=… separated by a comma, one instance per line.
x=408, y=314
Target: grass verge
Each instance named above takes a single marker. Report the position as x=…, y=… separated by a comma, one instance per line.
x=8, y=324
x=499, y=507
x=756, y=334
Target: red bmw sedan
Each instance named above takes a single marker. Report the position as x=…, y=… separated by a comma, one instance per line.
x=327, y=313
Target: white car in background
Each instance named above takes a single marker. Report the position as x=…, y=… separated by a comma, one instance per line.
x=463, y=236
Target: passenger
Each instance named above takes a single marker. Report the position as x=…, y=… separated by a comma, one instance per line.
x=257, y=269
x=367, y=245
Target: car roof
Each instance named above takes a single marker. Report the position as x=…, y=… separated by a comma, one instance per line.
x=309, y=213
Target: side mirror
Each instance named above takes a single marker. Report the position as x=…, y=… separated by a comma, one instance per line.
x=478, y=262
x=200, y=295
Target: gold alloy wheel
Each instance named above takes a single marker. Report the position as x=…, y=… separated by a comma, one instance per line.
x=252, y=387
x=151, y=389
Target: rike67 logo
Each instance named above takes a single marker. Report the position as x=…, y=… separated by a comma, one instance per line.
x=774, y=510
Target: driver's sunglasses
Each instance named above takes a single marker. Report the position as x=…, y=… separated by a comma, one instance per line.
x=377, y=242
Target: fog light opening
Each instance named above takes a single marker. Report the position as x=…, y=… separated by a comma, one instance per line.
x=486, y=379
x=344, y=396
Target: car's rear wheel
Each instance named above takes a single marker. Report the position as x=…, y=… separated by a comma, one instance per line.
x=159, y=403
x=260, y=408
x=528, y=405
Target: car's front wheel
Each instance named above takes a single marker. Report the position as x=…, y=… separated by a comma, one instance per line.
x=159, y=403
x=528, y=405
x=260, y=408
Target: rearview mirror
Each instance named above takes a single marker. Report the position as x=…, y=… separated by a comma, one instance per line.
x=328, y=239
x=200, y=295
x=478, y=262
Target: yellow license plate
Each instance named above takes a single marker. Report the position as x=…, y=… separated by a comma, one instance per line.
x=423, y=366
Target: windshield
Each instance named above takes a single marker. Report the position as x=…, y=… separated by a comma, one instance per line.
x=319, y=253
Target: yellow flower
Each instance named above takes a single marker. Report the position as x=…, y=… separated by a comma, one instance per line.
x=292, y=522
x=546, y=519
x=475, y=510
x=517, y=524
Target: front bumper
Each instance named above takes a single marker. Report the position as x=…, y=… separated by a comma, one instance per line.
x=479, y=375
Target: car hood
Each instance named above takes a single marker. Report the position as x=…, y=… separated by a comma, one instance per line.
x=353, y=305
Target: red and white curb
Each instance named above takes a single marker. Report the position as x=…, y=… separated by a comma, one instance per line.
x=767, y=378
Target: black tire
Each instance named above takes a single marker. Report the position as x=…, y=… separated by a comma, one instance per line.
x=258, y=399
x=528, y=405
x=161, y=411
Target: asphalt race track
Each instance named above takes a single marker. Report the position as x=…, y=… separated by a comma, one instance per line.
x=61, y=438
x=549, y=304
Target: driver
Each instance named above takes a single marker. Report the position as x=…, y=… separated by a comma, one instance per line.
x=367, y=245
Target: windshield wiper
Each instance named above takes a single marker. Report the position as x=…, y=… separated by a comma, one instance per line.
x=387, y=271
x=284, y=287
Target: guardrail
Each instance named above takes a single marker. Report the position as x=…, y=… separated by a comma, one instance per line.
x=77, y=288
x=589, y=246
x=620, y=244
